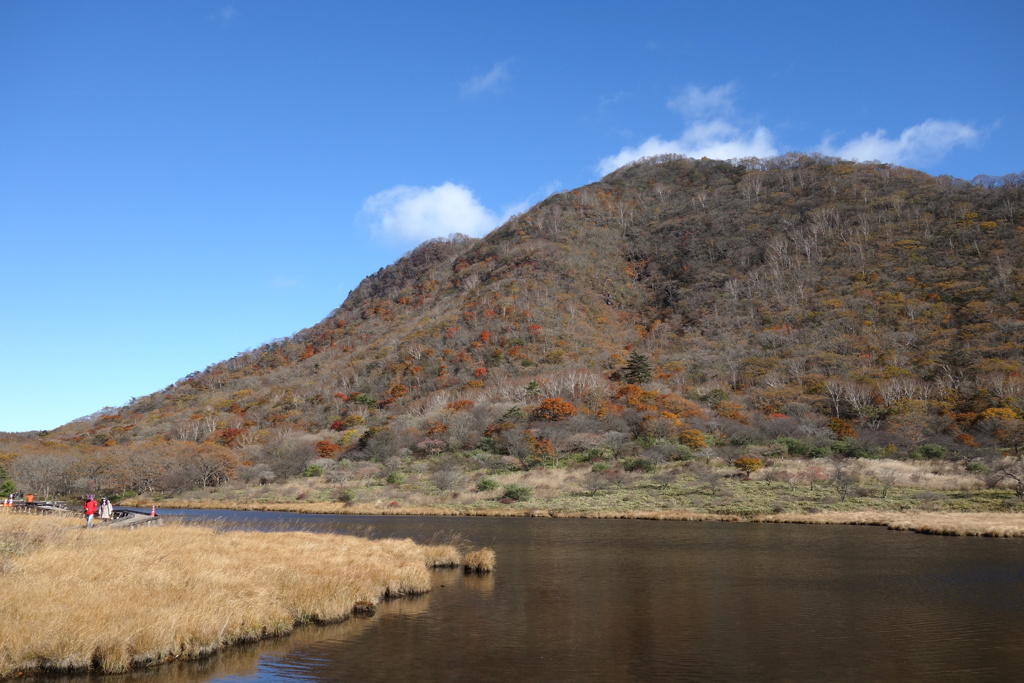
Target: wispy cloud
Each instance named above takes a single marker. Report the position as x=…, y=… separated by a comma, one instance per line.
x=703, y=104
x=493, y=81
x=405, y=213
x=708, y=133
x=922, y=143
x=228, y=13
x=283, y=282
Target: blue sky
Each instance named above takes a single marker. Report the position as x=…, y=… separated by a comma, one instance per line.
x=182, y=181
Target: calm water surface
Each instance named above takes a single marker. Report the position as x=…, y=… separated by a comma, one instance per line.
x=627, y=600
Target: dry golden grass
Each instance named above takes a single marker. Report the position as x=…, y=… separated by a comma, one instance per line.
x=946, y=523
x=921, y=475
x=75, y=599
x=480, y=561
x=442, y=556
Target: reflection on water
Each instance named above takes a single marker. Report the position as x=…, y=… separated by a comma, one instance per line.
x=629, y=600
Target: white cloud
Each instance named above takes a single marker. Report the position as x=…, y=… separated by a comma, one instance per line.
x=492, y=80
x=228, y=13
x=713, y=139
x=419, y=213
x=924, y=142
x=701, y=104
x=709, y=133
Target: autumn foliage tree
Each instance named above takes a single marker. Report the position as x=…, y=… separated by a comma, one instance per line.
x=748, y=465
x=553, y=409
x=327, y=449
x=842, y=429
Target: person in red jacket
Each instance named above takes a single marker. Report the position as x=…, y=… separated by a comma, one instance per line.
x=90, y=511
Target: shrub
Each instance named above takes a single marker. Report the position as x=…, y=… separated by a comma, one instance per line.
x=820, y=451
x=486, y=484
x=715, y=396
x=313, y=471
x=976, y=467
x=517, y=492
x=794, y=446
x=395, y=478
x=851, y=449
x=638, y=465
x=344, y=496
x=682, y=454
x=928, y=451
x=365, y=400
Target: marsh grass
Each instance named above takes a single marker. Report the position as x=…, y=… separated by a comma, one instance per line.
x=76, y=600
x=480, y=561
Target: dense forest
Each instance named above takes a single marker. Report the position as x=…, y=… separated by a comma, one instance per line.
x=807, y=305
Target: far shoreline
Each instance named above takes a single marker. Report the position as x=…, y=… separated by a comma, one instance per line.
x=945, y=523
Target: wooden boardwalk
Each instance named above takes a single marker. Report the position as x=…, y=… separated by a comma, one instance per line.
x=122, y=519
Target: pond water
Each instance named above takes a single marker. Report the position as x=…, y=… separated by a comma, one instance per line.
x=630, y=600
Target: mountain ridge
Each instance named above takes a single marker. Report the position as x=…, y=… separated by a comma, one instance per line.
x=806, y=295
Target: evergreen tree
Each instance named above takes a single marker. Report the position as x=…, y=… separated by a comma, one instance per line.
x=637, y=370
x=6, y=485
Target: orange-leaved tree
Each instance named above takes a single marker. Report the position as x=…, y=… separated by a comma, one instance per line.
x=553, y=409
x=748, y=464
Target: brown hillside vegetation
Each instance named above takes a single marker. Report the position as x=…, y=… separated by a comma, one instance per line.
x=804, y=306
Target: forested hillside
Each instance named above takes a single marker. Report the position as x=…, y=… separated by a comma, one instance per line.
x=811, y=304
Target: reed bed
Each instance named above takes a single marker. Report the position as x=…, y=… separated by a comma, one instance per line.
x=75, y=600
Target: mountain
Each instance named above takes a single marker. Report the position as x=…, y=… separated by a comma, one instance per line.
x=845, y=306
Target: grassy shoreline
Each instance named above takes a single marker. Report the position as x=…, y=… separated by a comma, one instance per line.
x=938, y=497
x=991, y=524
x=129, y=599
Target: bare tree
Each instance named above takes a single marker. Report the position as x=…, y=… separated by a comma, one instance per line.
x=447, y=478
x=842, y=477
x=1012, y=469
x=886, y=478
x=709, y=476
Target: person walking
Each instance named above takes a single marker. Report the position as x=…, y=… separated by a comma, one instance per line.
x=106, y=510
x=90, y=511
